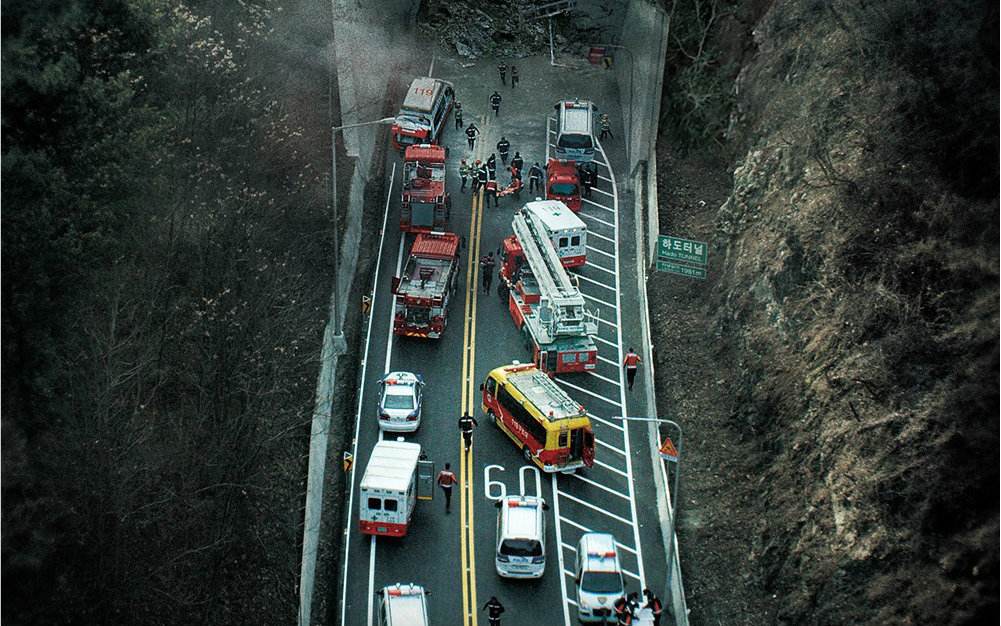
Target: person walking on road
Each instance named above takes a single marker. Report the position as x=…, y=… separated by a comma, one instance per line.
x=445, y=480
x=517, y=161
x=502, y=68
x=458, y=115
x=487, y=264
x=494, y=608
x=472, y=132
x=480, y=176
x=490, y=193
x=514, y=76
x=463, y=174
x=492, y=166
x=631, y=362
x=586, y=181
x=495, y=100
x=654, y=604
x=606, y=126
x=535, y=178
x=504, y=148
x=466, y=425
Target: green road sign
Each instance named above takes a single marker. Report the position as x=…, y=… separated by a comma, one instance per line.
x=677, y=249
x=683, y=270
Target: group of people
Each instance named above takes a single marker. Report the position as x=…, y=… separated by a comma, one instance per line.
x=627, y=607
x=484, y=173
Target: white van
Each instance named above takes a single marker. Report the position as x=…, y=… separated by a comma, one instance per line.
x=567, y=231
x=575, y=130
x=389, y=489
x=422, y=117
x=403, y=605
x=521, y=537
x=598, y=577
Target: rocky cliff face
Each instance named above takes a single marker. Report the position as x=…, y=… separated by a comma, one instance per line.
x=844, y=463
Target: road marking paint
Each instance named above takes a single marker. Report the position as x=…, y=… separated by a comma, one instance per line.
x=594, y=507
x=392, y=310
x=604, y=321
x=600, y=251
x=361, y=393
x=599, y=301
x=591, y=280
x=600, y=206
x=600, y=377
x=622, y=386
x=568, y=547
x=600, y=486
x=590, y=393
x=591, y=233
x=607, y=193
x=631, y=574
x=569, y=521
x=570, y=600
x=612, y=469
x=609, y=361
x=604, y=178
x=595, y=219
x=605, y=422
x=559, y=541
x=607, y=342
x=598, y=267
x=602, y=443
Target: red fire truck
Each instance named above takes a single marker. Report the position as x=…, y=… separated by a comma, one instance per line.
x=428, y=282
x=563, y=183
x=545, y=303
x=425, y=206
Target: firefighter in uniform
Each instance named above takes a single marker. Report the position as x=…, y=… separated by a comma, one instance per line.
x=481, y=175
x=517, y=161
x=495, y=100
x=463, y=174
x=502, y=68
x=654, y=604
x=490, y=192
x=606, y=126
x=492, y=166
x=586, y=181
x=466, y=425
x=514, y=76
x=472, y=132
x=458, y=115
x=494, y=608
x=631, y=362
x=487, y=264
x=504, y=147
x=535, y=178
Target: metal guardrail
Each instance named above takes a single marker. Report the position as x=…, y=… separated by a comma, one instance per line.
x=535, y=10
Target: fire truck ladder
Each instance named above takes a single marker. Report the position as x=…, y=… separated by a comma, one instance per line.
x=561, y=310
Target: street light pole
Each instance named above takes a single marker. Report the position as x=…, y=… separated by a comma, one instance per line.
x=337, y=331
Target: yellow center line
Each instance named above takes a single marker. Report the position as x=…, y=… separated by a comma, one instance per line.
x=467, y=404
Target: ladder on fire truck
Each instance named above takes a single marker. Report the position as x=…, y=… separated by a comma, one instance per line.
x=561, y=311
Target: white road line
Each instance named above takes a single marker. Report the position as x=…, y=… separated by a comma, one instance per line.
x=600, y=486
x=599, y=301
x=610, y=447
x=607, y=193
x=590, y=393
x=599, y=251
x=613, y=469
x=607, y=380
x=596, y=508
x=600, y=206
x=392, y=309
x=604, y=178
x=361, y=403
x=570, y=600
x=568, y=547
x=371, y=577
x=625, y=547
x=591, y=233
x=598, y=267
x=604, y=321
x=622, y=388
x=575, y=525
x=431, y=69
x=549, y=121
x=595, y=219
x=606, y=342
x=559, y=535
x=605, y=422
x=631, y=574
x=609, y=361
x=591, y=280
x=552, y=132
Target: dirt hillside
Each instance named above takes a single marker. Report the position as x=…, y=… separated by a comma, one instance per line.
x=837, y=373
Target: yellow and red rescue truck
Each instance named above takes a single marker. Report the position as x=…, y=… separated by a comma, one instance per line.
x=563, y=183
x=424, y=290
x=552, y=430
x=545, y=303
x=425, y=205
x=389, y=489
x=425, y=109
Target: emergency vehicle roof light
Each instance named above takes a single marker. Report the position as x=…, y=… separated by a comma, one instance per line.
x=603, y=555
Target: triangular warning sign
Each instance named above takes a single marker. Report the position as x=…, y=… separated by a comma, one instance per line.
x=667, y=450
x=349, y=461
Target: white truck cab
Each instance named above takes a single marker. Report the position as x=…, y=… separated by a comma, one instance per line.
x=598, y=577
x=403, y=605
x=521, y=537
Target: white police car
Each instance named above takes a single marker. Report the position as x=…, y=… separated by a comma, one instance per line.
x=403, y=605
x=400, y=402
x=598, y=577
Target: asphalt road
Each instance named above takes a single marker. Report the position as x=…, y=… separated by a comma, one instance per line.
x=452, y=555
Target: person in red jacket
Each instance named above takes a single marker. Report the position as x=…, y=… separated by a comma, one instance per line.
x=445, y=480
x=631, y=363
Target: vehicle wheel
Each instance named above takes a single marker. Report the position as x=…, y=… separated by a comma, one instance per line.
x=525, y=452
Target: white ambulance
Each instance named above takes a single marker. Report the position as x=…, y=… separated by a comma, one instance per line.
x=567, y=231
x=389, y=489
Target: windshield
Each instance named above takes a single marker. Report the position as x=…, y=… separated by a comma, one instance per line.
x=563, y=189
x=406, y=139
x=521, y=547
x=601, y=582
x=575, y=141
x=393, y=401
